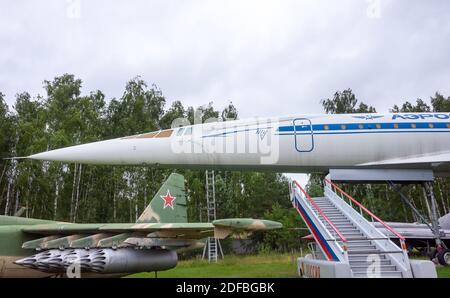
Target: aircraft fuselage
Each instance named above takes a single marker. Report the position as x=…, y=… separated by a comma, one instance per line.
x=302, y=143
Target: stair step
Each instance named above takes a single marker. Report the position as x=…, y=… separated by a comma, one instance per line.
x=385, y=274
x=367, y=263
x=335, y=219
x=339, y=226
x=361, y=247
x=350, y=229
x=341, y=218
x=361, y=258
x=372, y=252
x=333, y=214
x=357, y=232
x=379, y=267
x=347, y=230
x=360, y=244
x=352, y=239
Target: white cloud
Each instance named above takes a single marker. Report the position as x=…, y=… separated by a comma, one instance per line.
x=268, y=57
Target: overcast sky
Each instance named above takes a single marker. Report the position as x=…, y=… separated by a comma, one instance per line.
x=268, y=57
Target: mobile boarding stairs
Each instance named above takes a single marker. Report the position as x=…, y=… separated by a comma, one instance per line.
x=346, y=243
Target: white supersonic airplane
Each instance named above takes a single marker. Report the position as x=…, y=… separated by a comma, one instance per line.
x=296, y=144
x=404, y=147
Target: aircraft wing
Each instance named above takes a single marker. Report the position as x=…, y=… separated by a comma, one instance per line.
x=67, y=235
x=437, y=158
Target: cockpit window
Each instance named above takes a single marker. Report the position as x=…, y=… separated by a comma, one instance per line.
x=188, y=131
x=180, y=131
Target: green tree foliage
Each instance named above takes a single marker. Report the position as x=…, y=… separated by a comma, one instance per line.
x=6, y=126
x=440, y=103
x=230, y=112
x=88, y=193
x=286, y=239
x=345, y=102
x=408, y=107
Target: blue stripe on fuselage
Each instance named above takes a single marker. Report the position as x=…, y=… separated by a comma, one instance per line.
x=350, y=128
x=366, y=126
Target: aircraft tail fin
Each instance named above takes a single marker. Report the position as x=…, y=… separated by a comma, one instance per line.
x=169, y=203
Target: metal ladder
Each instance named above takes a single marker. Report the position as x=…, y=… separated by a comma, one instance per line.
x=212, y=246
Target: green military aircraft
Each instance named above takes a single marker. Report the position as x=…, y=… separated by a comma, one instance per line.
x=40, y=248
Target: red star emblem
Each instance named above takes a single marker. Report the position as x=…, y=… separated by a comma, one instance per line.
x=168, y=200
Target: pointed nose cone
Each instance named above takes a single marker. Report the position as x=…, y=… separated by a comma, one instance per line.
x=28, y=261
x=20, y=262
x=272, y=225
x=104, y=152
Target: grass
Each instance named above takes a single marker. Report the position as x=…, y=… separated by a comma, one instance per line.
x=443, y=272
x=259, y=266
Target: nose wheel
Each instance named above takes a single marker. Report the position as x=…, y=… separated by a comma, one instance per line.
x=443, y=257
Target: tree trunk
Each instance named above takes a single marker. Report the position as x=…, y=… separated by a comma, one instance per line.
x=55, y=202
x=3, y=172
x=444, y=207
x=86, y=192
x=135, y=209
x=369, y=195
x=16, y=207
x=114, y=194
x=129, y=210
x=114, y=205
x=77, y=197
x=145, y=196
x=426, y=202
x=419, y=205
x=446, y=200
x=73, y=192
x=8, y=193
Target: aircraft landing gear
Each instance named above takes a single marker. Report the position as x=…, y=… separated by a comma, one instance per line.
x=442, y=253
x=439, y=254
x=443, y=257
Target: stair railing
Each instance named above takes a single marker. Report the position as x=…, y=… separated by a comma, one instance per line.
x=373, y=217
x=332, y=225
